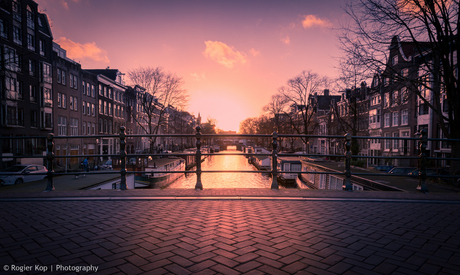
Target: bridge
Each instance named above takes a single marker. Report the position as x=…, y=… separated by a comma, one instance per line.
x=226, y=231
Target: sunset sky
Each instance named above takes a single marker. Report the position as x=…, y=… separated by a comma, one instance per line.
x=232, y=55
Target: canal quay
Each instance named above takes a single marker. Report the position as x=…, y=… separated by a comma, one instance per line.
x=228, y=230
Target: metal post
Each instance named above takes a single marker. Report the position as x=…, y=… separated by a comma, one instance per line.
x=275, y=162
x=123, y=159
x=50, y=158
x=347, y=185
x=423, y=162
x=199, y=185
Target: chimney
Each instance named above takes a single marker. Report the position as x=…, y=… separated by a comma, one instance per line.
x=326, y=92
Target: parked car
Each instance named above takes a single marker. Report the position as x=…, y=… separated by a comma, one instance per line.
x=401, y=170
x=383, y=168
x=18, y=174
x=107, y=165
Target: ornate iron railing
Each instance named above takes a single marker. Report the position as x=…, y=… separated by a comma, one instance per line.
x=422, y=158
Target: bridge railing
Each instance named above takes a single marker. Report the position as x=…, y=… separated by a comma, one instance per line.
x=422, y=158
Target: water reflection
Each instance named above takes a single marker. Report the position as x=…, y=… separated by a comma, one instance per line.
x=225, y=180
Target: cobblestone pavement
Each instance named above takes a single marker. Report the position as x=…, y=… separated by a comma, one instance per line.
x=215, y=236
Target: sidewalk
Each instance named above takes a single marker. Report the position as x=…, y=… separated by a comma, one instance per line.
x=231, y=231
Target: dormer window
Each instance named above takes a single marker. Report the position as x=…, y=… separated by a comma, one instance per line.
x=394, y=60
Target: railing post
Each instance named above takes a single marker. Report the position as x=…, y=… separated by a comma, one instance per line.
x=423, y=162
x=123, y=185
x=347, y=185
x=199, y=185
x=275, y=162
x=50, y=158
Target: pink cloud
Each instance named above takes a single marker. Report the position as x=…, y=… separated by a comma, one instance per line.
x=223, y=54
x=254, y=52
x=286, y=40
x=86, y=51
x=311, y=21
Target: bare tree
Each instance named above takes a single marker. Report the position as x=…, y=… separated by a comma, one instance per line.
x=432, y=28
x=162, y=89
x=297, y=92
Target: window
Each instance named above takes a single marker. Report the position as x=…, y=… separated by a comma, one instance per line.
x=386, y=102
x=100, y=125
x=405, y=72
x=395, y=141
x=88, y=108
x=93, y=128
x=100, y=90
x=71, y=102
x=404, y=95
x=387, y=120
x=30, y=18
x=71, y=81
x=445, y=104
x=11, y=59
x=31, y=42
x=58, y=75
x=75, y=103
x=47, y=99
x=46, y=72
x=100, y=107
x=93, y=109
x=3, y=29
x=62, y=126
x=423, y=108
x=63, y=77
x=74, y=126
x=33, y=93
x=405, y=143
x=105, y=108
x=75, y=82
x=17, y=35
x=394, y=98
x=394, y=60
x=395, y=119
x=59, y=101
x=404, y=117
x=33, y=118
x=84, y=128
x=83, y=87
x=64, y=103
x=109, y=109
x=88, y=89
x=41, y=45
x=105, y=126
x=89, y=129
x=32, y=67
x=387, y=142
x=93, y=90
x=83, y=109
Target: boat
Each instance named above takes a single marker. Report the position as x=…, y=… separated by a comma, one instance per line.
x=288, y=170
x=156, y=173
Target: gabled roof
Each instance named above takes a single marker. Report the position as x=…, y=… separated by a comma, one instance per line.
x=109, y=73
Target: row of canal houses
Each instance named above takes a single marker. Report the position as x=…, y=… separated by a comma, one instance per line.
x=43, y=91
x=386, y=108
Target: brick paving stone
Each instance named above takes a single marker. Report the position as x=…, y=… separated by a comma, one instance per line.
x=155, y=265
x=340, y=268
x=176, y=269
x=409, y=236
x=270, y=270
x=222, y=269
x=201, y=266
x=206, y=272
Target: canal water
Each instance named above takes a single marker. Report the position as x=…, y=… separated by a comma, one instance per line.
x=225, y=180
